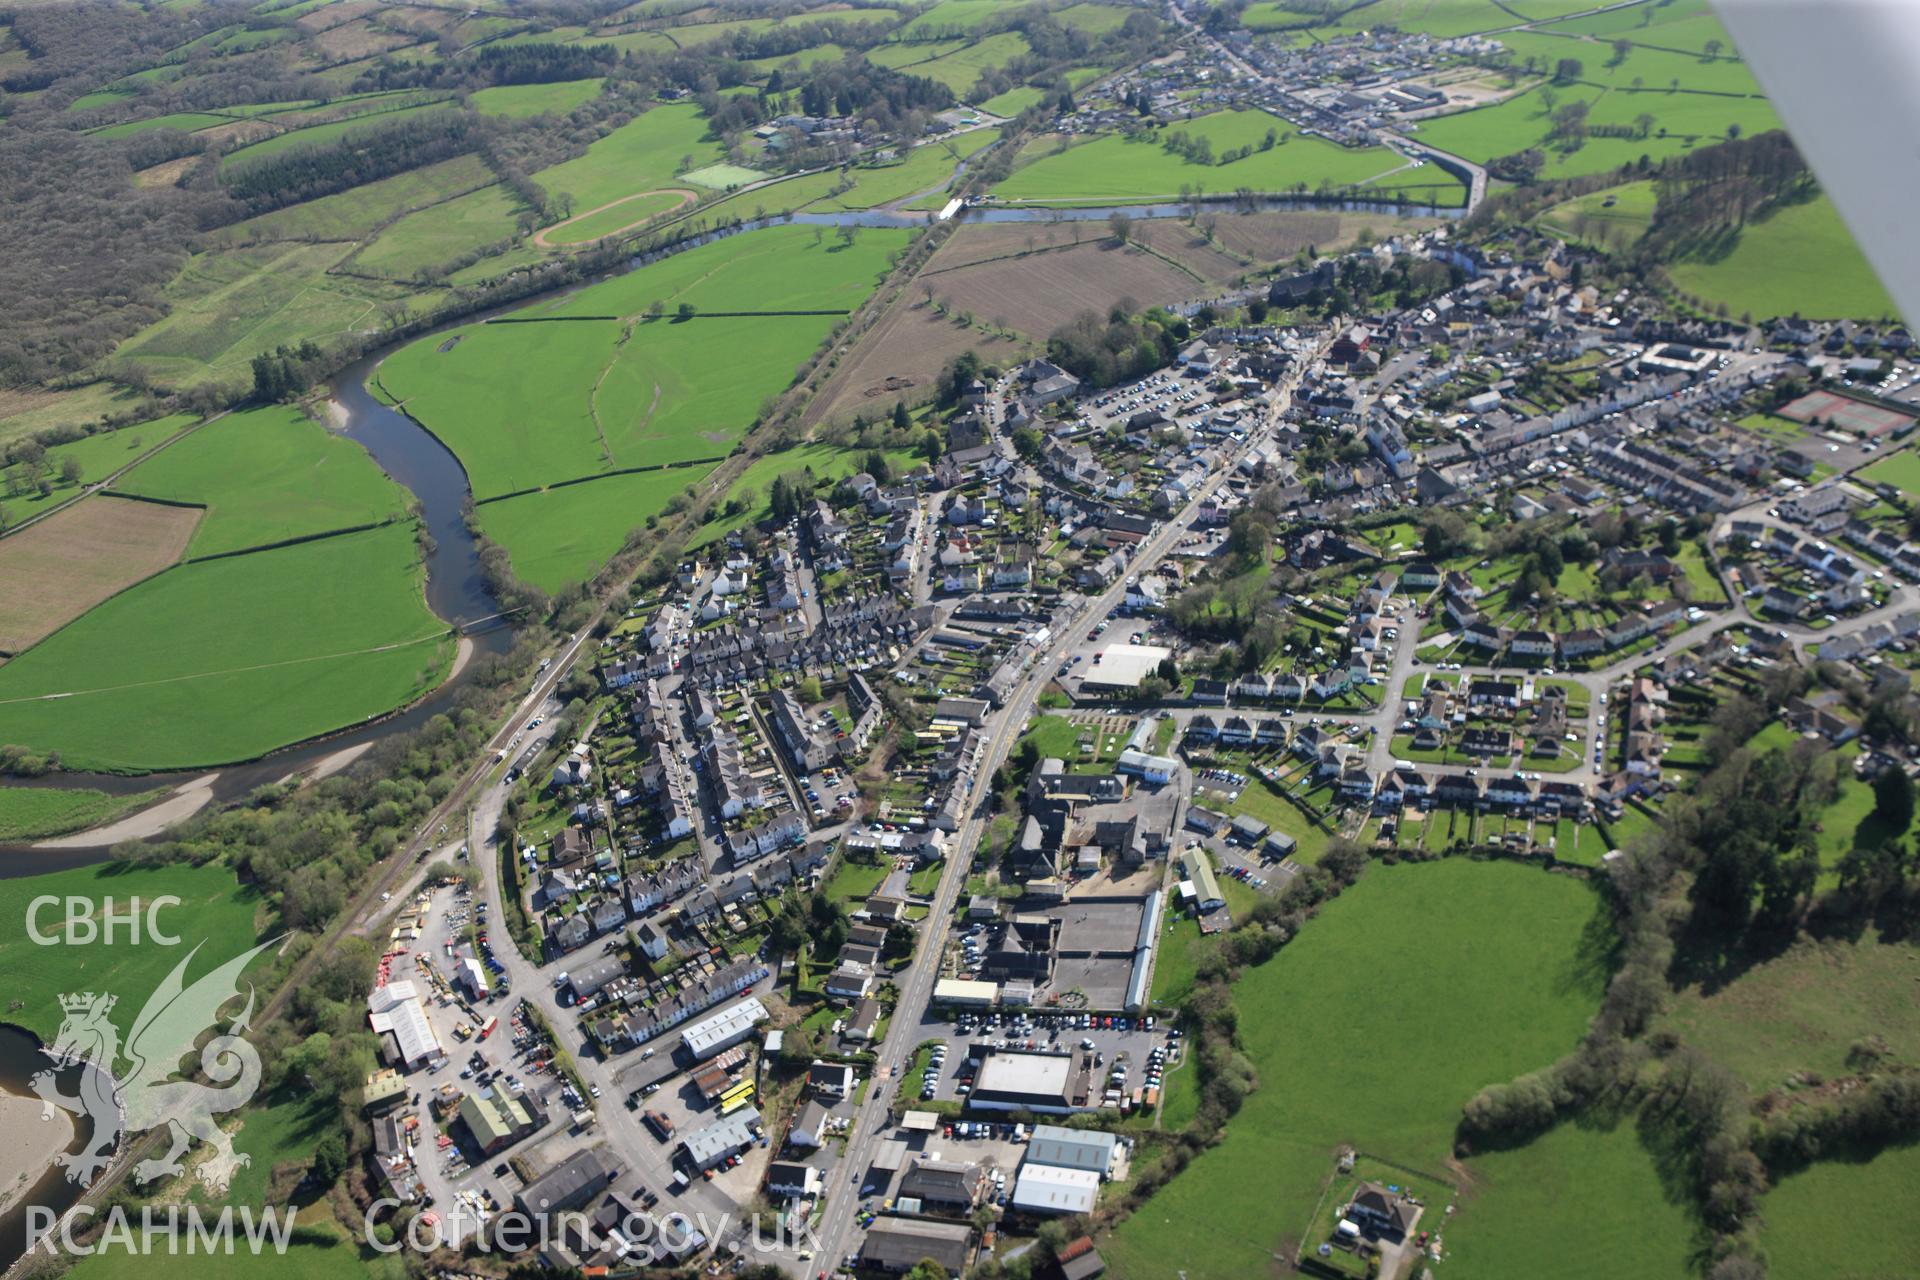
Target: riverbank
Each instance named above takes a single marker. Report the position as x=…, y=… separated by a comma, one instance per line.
x=29, y=1146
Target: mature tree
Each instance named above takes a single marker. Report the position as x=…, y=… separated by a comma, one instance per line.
x=1893, y=800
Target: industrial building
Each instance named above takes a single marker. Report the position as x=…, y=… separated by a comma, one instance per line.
x=723, y=1030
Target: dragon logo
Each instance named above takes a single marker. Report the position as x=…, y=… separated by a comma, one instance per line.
x=146, y=1096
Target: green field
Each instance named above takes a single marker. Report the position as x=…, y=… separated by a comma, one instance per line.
x=784, y=268
x=432, y=238
x=1803, y=1009
x=1798, y=260
x=1484, y=971
x=923, y=168
x=184, y=121
x=82, y=406
x=1013, y=101
x=1576, y=1203
x=305, y=1259
x=1054, y=169
x=228, y=305
x=825, y=461
x=641, y=155
x=1688, y=120
x=961, y=69
x=564, y=535
x=623, y=215
x=321, y=134
x=1901, y=470
x=953, y=15
x=265, y=476
x=1800, y=1214
x=1616, y=225
x=718, y=177
x=353, y=214
x=516, y=101
x=214, y=907
x=29, y=813
x=223, y=660
x=99, y=456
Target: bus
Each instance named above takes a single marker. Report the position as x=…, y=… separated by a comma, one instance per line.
x=488, y=1029
x=737, y=1097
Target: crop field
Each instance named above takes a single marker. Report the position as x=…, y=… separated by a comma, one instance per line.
x=1040, y=292
x=429, y=239
x=1797, y=260
x=267, y=475
x=1801, y=1210
x=1803, y=1009
x=1057, y=170
x=564, y=535
x=900, y=358
x=56, y=570
x=516, y=101
x=353, y=214
x=226, y=659
x=29, y=813
x=1516, y=1224
x=1495, y=969
x=213, y=905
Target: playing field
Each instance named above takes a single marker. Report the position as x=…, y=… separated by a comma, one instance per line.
x=721, y=176
x=266, y=476
x=1798, y=260
x=1800, y=1213
x=1056, y=169
x=225, y=659
x=54, y=571
x=1484, y=970
x=1521, y=1219
x=214, y=908
x=1901, y=470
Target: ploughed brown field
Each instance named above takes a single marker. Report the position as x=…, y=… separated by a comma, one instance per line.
x=56, y=570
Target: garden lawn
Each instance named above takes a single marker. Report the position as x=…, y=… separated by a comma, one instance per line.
x=1492, y=969
x=227, y=659
x=1800, y=1212
x=1111, y=167
x=214, y=907
x=1576, y=1203
x=566, y=534
x=267, y=475
x=1797, y=260
x=1803, y=1009
x=28, y=813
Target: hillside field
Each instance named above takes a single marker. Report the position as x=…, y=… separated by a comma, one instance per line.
x=1480, y=971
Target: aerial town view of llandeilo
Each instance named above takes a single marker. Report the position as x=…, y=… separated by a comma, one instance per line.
x=1003, y=639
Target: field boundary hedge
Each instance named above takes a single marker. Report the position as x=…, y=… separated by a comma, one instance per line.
x=602, y=475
